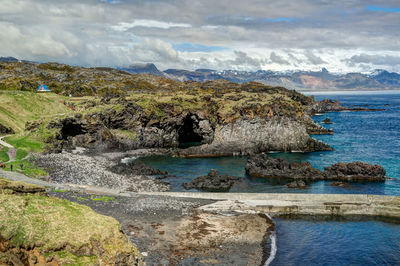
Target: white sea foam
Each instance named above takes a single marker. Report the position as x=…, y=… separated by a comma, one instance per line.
x=274, y=249
x=128, y=159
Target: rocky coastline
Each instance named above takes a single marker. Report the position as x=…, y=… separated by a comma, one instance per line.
x=265, y=166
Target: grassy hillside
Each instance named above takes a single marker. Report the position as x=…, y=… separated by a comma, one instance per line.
x=19, y=107
x=36, y=228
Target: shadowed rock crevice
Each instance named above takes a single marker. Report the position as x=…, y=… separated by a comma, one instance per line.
x=71, y=129
x=189, y=133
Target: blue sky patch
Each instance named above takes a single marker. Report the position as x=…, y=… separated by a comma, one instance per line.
x=384, y=9
x=196, y=47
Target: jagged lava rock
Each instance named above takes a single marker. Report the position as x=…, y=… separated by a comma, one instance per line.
x=263, y=165
x=214, y=181
x=300, y=184
x=355, y=171
x=327, y=121
x=135, y=168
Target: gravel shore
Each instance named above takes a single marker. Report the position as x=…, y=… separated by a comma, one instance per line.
x=83, y=169
x=174, y=231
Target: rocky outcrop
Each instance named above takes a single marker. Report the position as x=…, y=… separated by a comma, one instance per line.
x=329, y=105
x=265, y=166
x=135, y=168
x=6, y=130
x=355, y=171
x=327, y=121
x=245, y=137
x=213, y=182
x=299, y=184
x=20, y=188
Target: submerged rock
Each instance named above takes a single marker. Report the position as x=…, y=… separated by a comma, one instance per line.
x=212, y=182
x=340, y=184
x=327, y=121
x=355, y=171
x=297, y=184
x=263, y=165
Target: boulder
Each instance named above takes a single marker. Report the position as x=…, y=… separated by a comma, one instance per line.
x=213, y=182
x=327, y=121
x=355, y=171
x=341, y=184
x=300, y=184
x=263, y=165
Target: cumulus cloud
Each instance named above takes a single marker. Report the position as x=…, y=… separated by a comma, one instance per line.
x=305, y=34
x=373, y=59
x=313, y=59
x=278, y=59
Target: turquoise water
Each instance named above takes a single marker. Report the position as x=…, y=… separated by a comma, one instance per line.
x=336, y=242
x=372, y=137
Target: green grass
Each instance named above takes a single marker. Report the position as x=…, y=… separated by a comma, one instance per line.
x=52, y=224
x=29, y=168
x=3, y=154
x=60, y=190
x=81, y=198
x=19, y=107
x=29, y=142
x=104, y=198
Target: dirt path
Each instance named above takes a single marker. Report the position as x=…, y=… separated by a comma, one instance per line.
x=12, y=152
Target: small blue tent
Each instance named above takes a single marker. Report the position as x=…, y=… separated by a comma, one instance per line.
x=43, y=88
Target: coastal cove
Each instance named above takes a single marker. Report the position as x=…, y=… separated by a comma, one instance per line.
x=371, y=137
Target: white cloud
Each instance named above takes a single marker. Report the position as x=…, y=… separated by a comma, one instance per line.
x=124, y=26
x=115, y=33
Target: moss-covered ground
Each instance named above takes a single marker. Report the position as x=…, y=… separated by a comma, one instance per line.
x=67, y=232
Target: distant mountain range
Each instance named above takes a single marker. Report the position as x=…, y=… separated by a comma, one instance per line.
x=301, y=80
x=313, y=80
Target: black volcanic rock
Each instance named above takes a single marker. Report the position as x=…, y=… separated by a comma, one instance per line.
x=263, y=165
x=213, y=182
x=327, y=121
x=135, y=168
x=6, y=130
x=355, y=171
x=299, y=184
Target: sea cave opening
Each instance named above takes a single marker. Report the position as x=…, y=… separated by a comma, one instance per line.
x=71, y=129
x=187, y=134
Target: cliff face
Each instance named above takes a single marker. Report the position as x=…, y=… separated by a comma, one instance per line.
x=244, y=137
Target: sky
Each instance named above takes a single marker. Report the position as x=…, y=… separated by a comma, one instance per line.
x=341, y=35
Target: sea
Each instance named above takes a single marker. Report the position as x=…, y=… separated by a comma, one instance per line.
x=368, y=136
